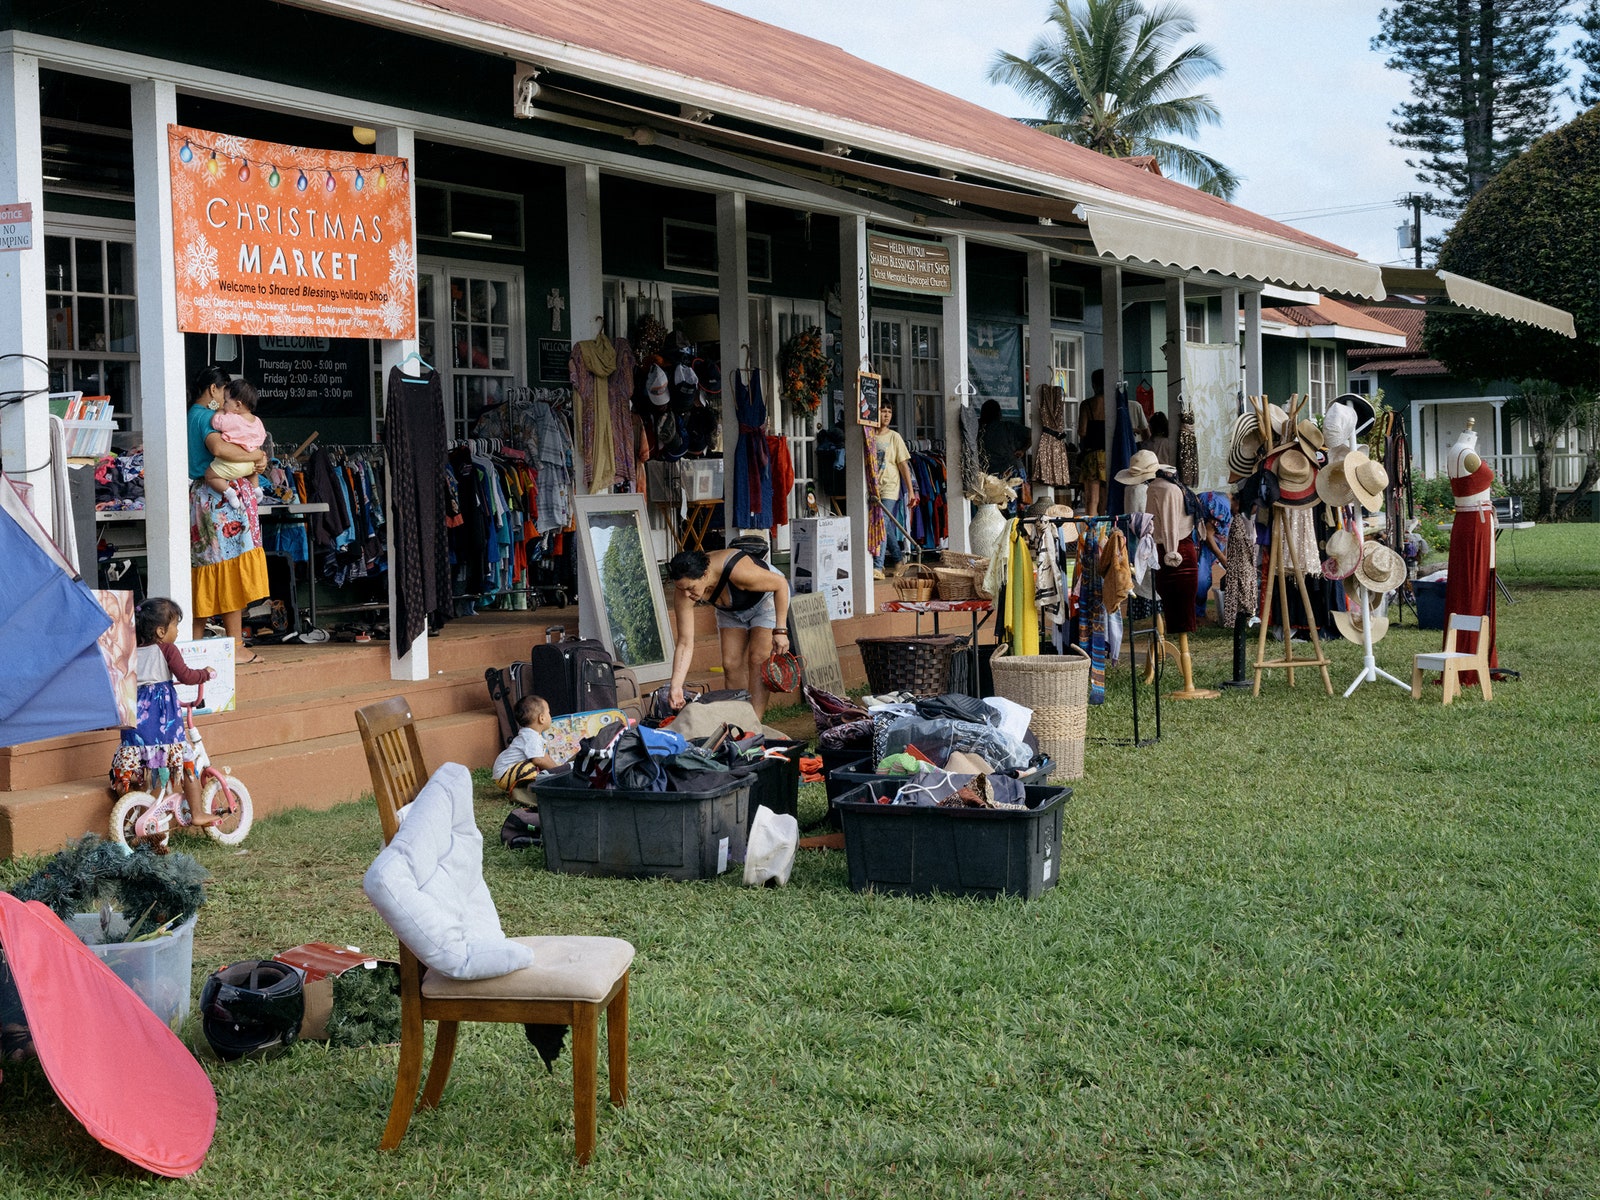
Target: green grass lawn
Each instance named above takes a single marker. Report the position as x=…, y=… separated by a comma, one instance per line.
x=1302, y=947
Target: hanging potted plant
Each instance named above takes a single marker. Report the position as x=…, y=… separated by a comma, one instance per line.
x=135, y=910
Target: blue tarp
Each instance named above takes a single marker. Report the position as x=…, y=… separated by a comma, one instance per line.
x=53, y=680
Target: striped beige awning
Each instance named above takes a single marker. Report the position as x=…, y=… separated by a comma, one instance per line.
x=1445, y=291
x=1193, y=247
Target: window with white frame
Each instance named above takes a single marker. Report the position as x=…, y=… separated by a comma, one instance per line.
x=470, y=328
x=1322, y=380
x=1194, y=322
x=91, y=314
x=905, y=350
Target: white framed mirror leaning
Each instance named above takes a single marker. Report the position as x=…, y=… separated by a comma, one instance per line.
x=621, y=600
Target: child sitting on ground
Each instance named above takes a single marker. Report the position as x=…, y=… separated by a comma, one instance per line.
x=157, y=663
x=527, y=754
x=238, y=425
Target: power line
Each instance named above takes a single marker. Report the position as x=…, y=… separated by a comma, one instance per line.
x=1342, y=210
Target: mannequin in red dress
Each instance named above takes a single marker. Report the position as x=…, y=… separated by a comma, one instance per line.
x=1470, y=587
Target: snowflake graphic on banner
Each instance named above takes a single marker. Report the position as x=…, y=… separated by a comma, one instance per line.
x=394, y=315
x=228, y=145
x=200, y=263
x=182, y=189
x=402, y=265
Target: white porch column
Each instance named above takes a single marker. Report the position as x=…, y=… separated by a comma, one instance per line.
x=1252, y=344
x=1419, y=450
x=1040, y=351
x=1229, y=332
x=162, y=384
x=1172, y=347
x=413, y=665
x=1499, y=449
x=855, y=342
x=1111, y=343
x=956, y=384
x=24, y=427
x=585, y=277
x=733, y=323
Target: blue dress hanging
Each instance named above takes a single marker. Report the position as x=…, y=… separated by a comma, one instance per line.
x=752, y=468
x=1121, y=455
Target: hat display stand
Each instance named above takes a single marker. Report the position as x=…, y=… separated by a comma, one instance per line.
x=1370, y=671
x=1283, y=561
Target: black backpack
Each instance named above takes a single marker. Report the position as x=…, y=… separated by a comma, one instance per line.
x=521, y=829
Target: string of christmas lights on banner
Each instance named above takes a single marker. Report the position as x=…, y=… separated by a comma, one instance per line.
x=214, y=159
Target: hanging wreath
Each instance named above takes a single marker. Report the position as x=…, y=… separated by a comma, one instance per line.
x=804, y=367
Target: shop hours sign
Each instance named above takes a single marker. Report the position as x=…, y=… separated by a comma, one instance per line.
x=309, y=377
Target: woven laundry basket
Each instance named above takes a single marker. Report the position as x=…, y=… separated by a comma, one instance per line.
x=1056, y=688
x=919, y=665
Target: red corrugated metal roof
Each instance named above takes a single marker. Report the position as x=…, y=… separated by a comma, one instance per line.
x=698, y=41
x=1329, y=311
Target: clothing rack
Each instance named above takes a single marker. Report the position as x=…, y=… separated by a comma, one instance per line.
x=1154, y=652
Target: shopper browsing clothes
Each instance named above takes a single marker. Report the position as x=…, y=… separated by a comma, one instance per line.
x=897, y=487
x=226, y=563
x=752, y=601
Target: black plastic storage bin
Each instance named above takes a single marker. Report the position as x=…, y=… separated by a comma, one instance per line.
x=916, y=850
x=635, y=835
x=855, y=774
x=1430, y=603
x=777, y=783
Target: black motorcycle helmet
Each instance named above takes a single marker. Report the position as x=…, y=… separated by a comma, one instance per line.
x=252, y=1007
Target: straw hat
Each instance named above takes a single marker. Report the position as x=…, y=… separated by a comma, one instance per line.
x=1344, y=552
x=1279, y=420
x=1349, y=624
x=1244, y=446
x=1061, y=510
x=1142, y=468
x=1310, y=440
x=1380, y=570
x=1331, y=486
x=1297, y=478
x=1366, y=478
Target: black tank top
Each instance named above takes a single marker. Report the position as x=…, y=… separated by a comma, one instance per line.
x=739, y=598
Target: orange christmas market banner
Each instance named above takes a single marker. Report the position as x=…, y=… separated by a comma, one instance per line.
x=283, y=241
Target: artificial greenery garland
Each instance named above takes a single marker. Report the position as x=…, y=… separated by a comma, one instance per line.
x=366, y=1007
x=151, y=890
x=803, y=367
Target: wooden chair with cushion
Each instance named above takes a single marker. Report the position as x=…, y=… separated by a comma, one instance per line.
x=1450, y=662
x=571, y=982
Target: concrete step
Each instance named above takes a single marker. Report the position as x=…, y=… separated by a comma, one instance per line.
x=316, y=773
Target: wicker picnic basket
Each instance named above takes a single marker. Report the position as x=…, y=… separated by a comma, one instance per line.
x=915, y=582
x=1056, y=688
x=916, y=664
x=956, y=583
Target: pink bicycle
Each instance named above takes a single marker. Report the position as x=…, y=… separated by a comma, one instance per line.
x=140, y=816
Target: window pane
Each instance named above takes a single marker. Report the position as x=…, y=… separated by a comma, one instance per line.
x=458, y=298
x=425, y=341
x=91, y=275
x=88, y=378
x=117, y=385
x=480, y=300
x=119, y=269
x=480, y=347
x=425, y=297
x=60, y=375
x=497, y=303
x=124, y=327
x=91, y=323
x=499, y=347
x=58, y=322
x=58, y=264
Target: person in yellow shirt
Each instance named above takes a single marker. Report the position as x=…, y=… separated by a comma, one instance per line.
x=891, y=463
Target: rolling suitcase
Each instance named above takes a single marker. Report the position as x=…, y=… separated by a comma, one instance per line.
x=574, y=676
x=507, y=685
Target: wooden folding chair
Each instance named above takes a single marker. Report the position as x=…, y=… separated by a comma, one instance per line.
x=572, y=979
x=1450, y=662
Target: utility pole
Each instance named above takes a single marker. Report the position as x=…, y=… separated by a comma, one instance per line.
x=1416, y=227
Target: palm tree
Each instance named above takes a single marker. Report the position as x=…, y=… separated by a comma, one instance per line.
x=1111, y=77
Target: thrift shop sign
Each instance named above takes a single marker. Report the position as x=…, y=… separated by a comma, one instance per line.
x=902, y=265
x=285, y=241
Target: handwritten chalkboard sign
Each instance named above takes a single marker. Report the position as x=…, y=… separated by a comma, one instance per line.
x=869, y=397
x=553, y=358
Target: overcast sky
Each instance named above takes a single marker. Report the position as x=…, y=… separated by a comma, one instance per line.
x=1305, y=102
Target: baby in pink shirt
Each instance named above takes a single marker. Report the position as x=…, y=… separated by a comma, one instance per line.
x=238, y=424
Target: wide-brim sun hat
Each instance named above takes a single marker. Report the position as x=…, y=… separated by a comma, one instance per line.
x=1331, y=486
x=1297, y=478
x=1365, y=413
x=1366, y=478
x=1339, y=430
x=1380, y=570
x=1310, y=439
x=1244, y=446
x=1142, y=468
x=1349, y=625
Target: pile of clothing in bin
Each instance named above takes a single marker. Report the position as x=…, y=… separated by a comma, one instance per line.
x=965, y=781
x=699, y=753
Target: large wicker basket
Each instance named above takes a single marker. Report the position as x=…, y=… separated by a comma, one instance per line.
x=955, y=583
x=1056, y=688
x=919, y=665
x=915, y=583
